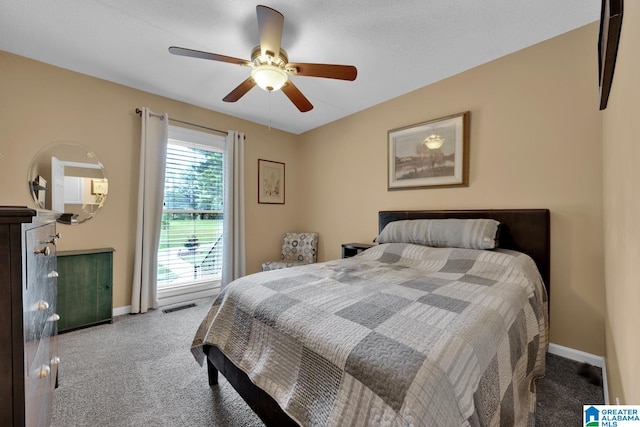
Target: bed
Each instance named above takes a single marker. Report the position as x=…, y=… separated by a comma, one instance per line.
x=401, y=334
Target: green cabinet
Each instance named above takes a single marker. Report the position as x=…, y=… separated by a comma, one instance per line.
x=85, y=282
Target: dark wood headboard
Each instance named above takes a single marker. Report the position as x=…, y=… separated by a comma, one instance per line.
x=523, y=230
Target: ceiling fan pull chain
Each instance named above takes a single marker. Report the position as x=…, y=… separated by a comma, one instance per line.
x=269, y=109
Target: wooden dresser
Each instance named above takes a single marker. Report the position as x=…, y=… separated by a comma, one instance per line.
x=28, y=319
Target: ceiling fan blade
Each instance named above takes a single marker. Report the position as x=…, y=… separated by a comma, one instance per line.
x=270, y=23
x=240, y=90
x=207, y=55
x=329, y=71
x=294, y=94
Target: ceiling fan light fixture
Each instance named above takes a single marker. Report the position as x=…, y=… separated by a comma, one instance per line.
x=269, y=77
x=270, y=63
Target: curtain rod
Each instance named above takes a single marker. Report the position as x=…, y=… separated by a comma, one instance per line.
x=139, y=112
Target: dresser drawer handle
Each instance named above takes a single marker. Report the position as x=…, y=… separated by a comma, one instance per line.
x=55, y=360
x=43, y=305
x=46, y=251
x=53, y=274
x=53, y=241
x=43, y=372
x=54, y=317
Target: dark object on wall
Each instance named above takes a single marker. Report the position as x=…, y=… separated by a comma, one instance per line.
x=610, y=27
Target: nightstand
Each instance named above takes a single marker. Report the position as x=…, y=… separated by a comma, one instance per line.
x=352, y=249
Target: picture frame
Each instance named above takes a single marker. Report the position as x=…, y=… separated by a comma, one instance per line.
x=271, y=180
x=430, y=154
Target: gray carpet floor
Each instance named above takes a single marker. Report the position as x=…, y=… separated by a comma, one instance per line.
x=139, y=371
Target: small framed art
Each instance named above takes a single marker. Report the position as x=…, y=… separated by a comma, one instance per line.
x=99, y=186
x=270, y=182
x=430, y=154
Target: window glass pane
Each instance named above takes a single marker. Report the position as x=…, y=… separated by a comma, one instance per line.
x=191, y=234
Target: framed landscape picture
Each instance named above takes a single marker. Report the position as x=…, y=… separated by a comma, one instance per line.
x=430, y=154
x=270, y=182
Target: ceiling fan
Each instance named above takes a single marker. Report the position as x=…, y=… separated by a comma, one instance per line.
x=270, y=63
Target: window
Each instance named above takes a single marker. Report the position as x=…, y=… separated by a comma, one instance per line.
x=190, y=251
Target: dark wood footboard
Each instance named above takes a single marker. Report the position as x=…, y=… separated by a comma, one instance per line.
x=258, y=400
x=212, y=372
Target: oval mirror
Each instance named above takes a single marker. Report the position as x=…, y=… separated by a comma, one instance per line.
x=68, y=178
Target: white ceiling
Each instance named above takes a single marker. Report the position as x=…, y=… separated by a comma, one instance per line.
x=397, y=46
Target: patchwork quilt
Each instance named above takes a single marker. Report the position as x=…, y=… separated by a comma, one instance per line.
x=399, y=335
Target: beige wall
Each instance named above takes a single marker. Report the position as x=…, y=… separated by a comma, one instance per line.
x=41, y=104
x=535, y=143
x=621, y=153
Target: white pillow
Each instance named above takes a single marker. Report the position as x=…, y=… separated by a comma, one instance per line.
x=443, y=233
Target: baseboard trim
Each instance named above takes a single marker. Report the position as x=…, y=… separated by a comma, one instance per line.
x=119, y=311
x=577, y=355
x=583, y=357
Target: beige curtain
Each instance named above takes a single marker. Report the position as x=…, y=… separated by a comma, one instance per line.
x=233, y=244
x=153, y=154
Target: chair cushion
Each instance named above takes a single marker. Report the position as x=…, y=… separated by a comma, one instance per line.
x=277, y=265
x=299, y=247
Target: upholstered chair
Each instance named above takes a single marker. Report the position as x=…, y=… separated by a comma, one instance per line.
x=297, y=249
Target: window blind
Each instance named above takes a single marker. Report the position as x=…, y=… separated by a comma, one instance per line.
x=191, y=232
